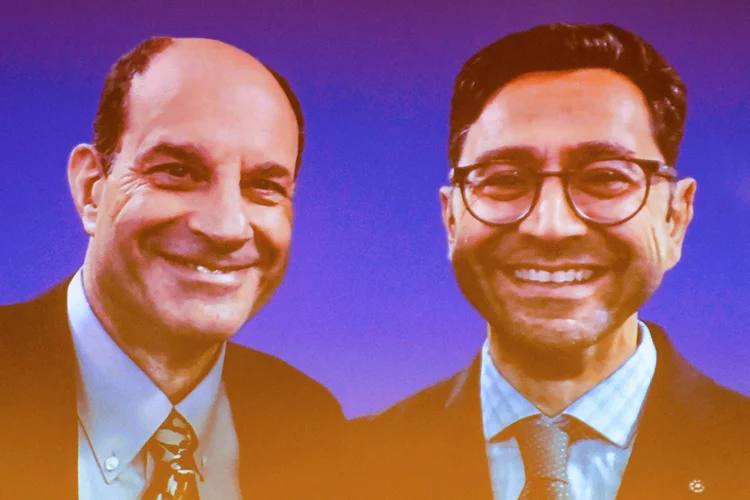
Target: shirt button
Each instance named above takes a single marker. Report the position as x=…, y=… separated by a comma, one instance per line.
x=111, y=463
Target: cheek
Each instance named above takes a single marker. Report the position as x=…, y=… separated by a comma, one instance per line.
x=150, y=207
x=657, y=246
x=273, y=232
x=652, y=238
x=644, y=248
x=468, y=233
x=474, y=249
x=132, y=217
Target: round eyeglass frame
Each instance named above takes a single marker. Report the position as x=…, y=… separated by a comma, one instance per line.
x=651, y=168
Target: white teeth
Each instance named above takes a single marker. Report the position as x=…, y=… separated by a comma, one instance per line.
x=206, y=270
x=542, y=276
x=561, y=277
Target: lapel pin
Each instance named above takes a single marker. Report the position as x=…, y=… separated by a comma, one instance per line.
x=697, y=486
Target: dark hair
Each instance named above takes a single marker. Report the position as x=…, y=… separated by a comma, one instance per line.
x=559, y=47
x=297, y=108
x=111, y=115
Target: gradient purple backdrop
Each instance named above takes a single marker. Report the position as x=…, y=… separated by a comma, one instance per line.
x=369, y=306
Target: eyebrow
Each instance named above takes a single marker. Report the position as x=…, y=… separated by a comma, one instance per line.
x=194, y=154
x=184, y=152
x=516, y=154
x=594, y=150
x=267, y=169
x=572, y=155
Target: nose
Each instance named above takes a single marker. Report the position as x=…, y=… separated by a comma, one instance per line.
x=221, y=217
x=553, y=218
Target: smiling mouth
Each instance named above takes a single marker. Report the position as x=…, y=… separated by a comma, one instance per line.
x=572, y=276
x=205, y=267
x=206, y=270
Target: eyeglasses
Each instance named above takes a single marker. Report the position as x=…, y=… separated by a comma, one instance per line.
x=605, y=192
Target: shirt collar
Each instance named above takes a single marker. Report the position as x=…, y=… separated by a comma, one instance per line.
x=119, y=407
x=611, y=408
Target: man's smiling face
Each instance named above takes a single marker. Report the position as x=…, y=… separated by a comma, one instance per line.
x=554, y=280
x=193, y=222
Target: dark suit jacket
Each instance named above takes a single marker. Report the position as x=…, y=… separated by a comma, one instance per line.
x=431, y=445
x=286, y=423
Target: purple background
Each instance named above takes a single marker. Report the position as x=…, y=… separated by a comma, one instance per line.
x=370, y=306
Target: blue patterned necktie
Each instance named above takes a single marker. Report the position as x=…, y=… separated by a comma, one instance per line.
x=175, y=471
x=544, y=449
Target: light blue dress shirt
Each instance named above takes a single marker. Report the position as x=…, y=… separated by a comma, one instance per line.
x=120, y=408
x=610, y=410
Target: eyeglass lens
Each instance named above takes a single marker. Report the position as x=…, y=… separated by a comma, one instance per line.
x=603, y=191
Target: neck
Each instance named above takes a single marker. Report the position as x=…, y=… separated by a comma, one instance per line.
x=175, y=376
x=583, y=369
x=175, y=363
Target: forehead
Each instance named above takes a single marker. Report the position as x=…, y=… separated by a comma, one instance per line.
x=227, y=107
x=551, y=111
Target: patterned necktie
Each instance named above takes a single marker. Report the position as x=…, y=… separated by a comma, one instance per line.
x=175, y=471
x=544, y=449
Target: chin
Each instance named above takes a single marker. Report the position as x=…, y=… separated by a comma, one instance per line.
x=209, y=323
x=564, y=334
x=205, y=332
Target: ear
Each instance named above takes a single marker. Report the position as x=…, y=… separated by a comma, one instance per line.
x=86, y=178
x=449, y=216
x=682, y=214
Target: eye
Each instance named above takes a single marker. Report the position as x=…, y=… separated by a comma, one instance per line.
x=501, y=182
x=506, y=179
x=174, y=169
x=269, y=185
x=264, y=190
x=602, y=176
x=609, y=178
x=174, y=175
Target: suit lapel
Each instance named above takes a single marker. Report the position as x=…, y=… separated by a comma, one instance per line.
x=427, y=447
x=245, y=419
x=464, y=450
x=259, y=420
x=666, y=458
x=282, y=419
x=40, y=431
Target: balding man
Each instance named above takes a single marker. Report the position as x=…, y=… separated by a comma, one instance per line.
x=186, y=196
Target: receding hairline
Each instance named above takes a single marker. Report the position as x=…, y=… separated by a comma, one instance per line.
x=212, y=52
x=136, y=68
x=191, y=58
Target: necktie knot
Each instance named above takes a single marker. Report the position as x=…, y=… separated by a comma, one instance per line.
x=174, y=440
x=543, y=443
x=175, y=472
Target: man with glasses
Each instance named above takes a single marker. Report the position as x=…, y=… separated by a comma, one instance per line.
x=563, y=213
